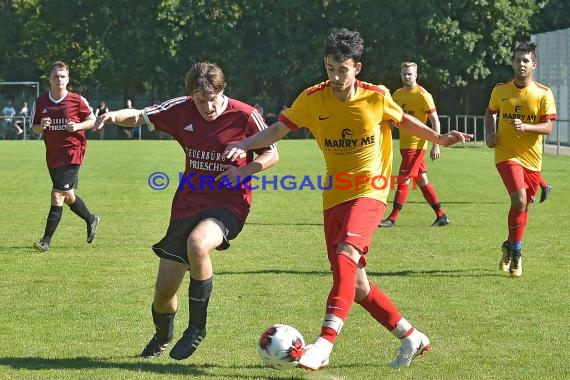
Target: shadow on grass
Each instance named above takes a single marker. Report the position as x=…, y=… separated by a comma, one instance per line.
x=20, y=248
x=469, y=145
x=463, y=202
x=83, y=363
x=79, y=363
x=475, y=272
x=282, y=224
x=29, y=248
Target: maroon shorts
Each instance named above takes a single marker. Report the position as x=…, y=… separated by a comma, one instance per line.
x=174, y=245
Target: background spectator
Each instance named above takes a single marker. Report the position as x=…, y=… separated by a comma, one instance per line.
x=101, y=110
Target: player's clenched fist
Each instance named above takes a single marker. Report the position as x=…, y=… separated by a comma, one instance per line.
x=235, y=150
x=45, y=122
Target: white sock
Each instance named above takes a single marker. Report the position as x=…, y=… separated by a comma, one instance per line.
x=402, y=328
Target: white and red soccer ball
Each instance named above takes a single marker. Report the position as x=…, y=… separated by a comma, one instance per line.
x=281, y=346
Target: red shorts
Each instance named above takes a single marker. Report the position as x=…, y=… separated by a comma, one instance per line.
x=353, y=222
x=517, y=177
x=413, y=163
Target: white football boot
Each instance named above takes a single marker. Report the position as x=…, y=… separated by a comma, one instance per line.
x=413, y=345
x=316, y=355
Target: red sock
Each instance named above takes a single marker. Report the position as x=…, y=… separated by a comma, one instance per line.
x=341, y=296
x=431, y=197
x=542, y=182
x=381, y=308
x=399, y=200
x=517, y=223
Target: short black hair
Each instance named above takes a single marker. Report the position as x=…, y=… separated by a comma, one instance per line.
x=527, y=47
x=343, y=44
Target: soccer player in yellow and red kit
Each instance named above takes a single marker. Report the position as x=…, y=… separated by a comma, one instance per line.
x=349, y=120
x=415, y=101
x=525, y=110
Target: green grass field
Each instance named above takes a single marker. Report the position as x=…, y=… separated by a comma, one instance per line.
x=83, y=311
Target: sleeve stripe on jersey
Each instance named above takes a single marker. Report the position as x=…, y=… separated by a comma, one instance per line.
x=33, y=113
x=540, y=85
x=165, y=105
x=370, y=86
x=544, y=118
x=318, y=87
x=258, y=120
x=149, y=124
x=84, y=100
x=260, y=124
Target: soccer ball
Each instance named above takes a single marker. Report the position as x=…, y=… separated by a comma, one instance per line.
x=281, y=346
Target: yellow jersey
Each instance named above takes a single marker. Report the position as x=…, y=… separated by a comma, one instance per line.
x=532, y=104
x=354, y=136
x=418, y=103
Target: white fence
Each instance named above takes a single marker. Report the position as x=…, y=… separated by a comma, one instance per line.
x=10, y=128
x=474, y=124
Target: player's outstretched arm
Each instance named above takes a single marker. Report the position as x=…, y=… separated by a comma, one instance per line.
x=435, y=125
x=264, y=138
x=415, y=127
x=127, y=117
x=490, y=132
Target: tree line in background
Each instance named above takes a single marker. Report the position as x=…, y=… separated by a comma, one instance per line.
x=269, y=49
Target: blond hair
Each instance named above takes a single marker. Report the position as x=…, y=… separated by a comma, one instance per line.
x=409, y=64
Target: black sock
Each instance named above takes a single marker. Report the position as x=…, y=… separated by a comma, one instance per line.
x=79, y=208
x=198, y=298
x=53, y=219
x=164, y=325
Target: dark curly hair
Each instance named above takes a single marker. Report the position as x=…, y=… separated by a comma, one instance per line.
x=343, y=44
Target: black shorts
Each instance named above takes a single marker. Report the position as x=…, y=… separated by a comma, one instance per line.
x=65, y=178
x=173, y=246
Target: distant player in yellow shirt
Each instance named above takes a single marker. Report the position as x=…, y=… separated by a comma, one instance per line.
x=525, y=110
x=417, y=102
x=350, y=122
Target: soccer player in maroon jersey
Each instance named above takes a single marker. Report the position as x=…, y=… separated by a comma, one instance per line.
x=211, y=203
x=62, y=116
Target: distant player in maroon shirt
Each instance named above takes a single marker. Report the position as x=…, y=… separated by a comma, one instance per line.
x=209, y=208
x=62, y=116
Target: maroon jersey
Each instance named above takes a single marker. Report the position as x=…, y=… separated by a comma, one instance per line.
x=203, y=143
x=62, y=147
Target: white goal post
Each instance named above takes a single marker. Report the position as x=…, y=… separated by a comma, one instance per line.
x=35, y=85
